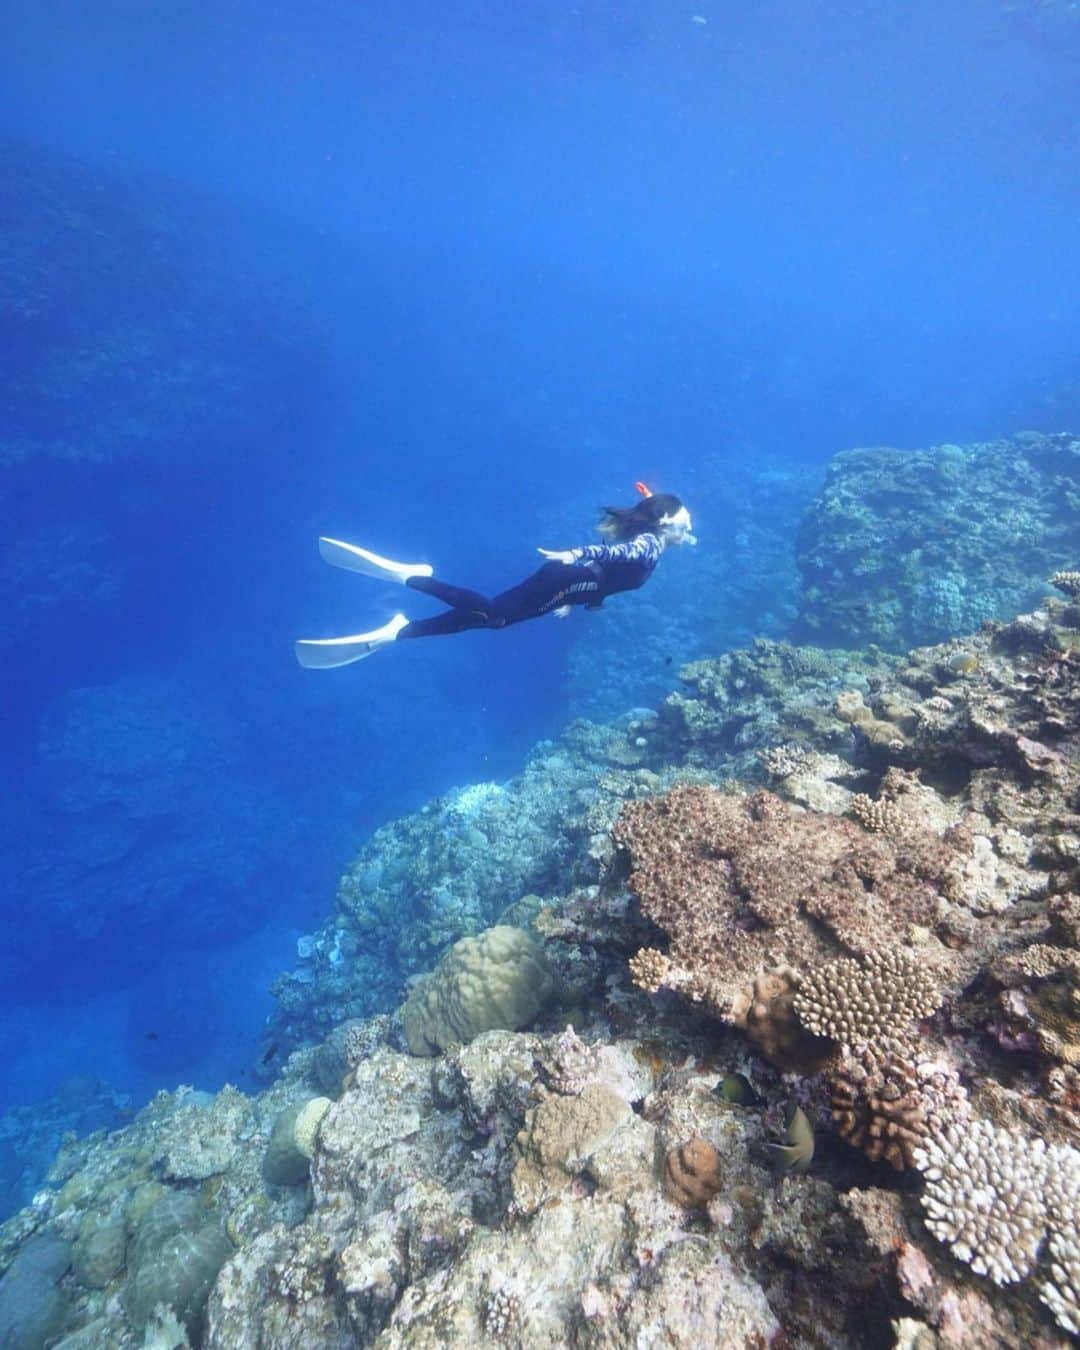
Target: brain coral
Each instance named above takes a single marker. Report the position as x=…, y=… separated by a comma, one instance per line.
x=742, y=884
x=498, y=979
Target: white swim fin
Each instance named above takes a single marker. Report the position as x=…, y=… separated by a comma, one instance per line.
x=327, y=653
x=356, y=559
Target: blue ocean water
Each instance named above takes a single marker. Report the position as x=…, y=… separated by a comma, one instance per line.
x=438, y=279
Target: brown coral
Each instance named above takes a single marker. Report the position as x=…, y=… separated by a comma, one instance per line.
x=742, y=884
x=766, y=1013
x=692, y=1173
x=877, y=1107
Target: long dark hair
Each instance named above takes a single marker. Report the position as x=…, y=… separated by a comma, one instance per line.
x=644, y=517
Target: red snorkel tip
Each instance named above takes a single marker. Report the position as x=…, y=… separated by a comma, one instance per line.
x=643, y=489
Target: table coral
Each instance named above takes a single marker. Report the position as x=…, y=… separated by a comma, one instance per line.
x=742, y=884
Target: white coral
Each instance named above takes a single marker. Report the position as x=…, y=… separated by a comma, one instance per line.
x=984, y=1196
x=993, y=1196
x=1061, y=1291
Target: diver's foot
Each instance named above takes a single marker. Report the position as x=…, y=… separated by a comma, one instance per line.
x=326, y=653
x=356, y=559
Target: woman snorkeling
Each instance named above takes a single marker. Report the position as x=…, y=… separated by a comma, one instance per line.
x=576, y=576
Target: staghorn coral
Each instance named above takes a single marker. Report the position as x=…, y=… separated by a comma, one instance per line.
x=1060, y=1291
x=867, y=1001
x=983, y=1196
x=746, y=883
x=994, y=1195
x=883, y=815
x=781, y=761
x=650, y=969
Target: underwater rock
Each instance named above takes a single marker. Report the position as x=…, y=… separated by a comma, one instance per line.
x=178, y=1274
x=99, y=1253
x=33, y=1307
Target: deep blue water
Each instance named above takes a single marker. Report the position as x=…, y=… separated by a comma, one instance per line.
x=436, y=278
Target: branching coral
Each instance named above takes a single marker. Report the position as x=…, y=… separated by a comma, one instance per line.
x=877, y=1107
x=1069, y=582
x=983, y=1196
x=867, y=1001
x=1061, y=1290
x=993, y=1195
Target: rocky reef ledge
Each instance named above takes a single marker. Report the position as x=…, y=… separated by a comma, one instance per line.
x=767, y=1034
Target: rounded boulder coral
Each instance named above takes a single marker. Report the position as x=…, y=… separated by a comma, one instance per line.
x=496, y=980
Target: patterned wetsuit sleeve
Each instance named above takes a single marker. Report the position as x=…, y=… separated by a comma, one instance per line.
x=646, y=548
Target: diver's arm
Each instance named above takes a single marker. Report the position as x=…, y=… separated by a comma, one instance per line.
x=646, y=548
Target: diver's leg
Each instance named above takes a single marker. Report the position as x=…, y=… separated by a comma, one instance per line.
x=441, y=625
x=457, y=597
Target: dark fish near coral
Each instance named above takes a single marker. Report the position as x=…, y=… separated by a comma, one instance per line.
x=738, y=1089
x=269, y=1053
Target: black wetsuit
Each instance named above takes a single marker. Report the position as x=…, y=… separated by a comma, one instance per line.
x=598, y=570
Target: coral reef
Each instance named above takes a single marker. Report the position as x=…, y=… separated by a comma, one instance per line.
x=742, y=885
x=905, y=548
x=819, y=1085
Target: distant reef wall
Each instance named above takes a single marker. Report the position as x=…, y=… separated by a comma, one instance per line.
x=154, y=341
x=905, y=548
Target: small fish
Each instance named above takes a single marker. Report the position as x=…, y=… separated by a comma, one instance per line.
x=667, y=660
x=269, y=1053
x=797, y=1152
x=963, y=663
x=738, y=1089
x=151, y=1035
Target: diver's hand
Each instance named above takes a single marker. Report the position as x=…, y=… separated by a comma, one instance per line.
x=563, y=555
